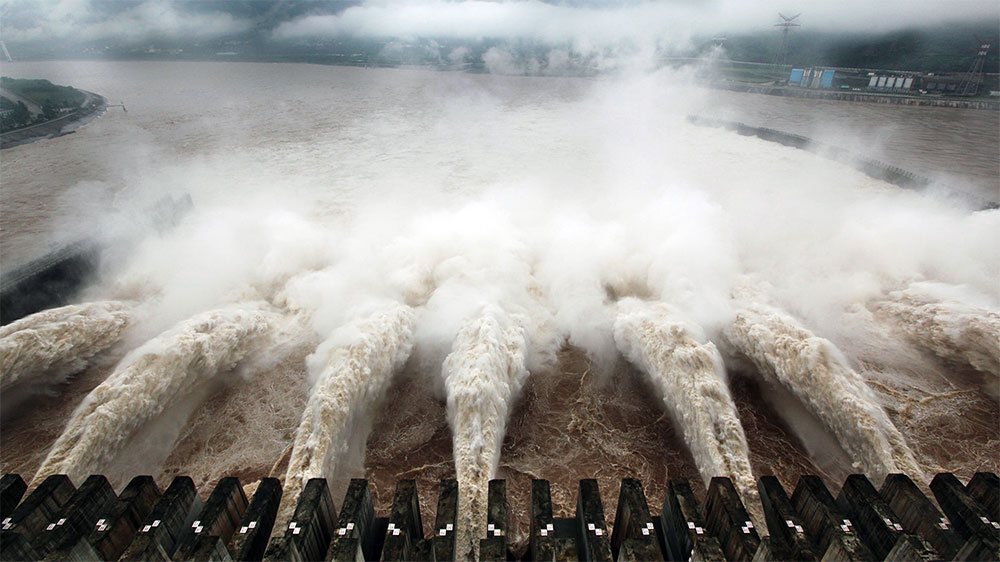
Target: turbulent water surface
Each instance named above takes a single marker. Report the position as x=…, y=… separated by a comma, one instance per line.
x=417, y=274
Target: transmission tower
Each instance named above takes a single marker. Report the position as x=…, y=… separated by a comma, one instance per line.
x=970, y=84
x=786, y=24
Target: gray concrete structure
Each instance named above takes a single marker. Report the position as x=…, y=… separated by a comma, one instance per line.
x=897, y=523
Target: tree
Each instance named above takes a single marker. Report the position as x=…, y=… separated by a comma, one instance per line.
x=21, y=113
x=18, y=118
x=50, y=111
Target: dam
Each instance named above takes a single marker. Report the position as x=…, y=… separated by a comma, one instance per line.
x=58, y=522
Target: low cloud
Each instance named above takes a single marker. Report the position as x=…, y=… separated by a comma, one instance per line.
x=580, y=26
x=83, y=20
x=610, y=23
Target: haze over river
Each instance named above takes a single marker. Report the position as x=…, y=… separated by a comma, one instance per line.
x=488, y=264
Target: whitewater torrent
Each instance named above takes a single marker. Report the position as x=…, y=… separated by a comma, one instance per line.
x=483, y=374
x=355, y=366
x=148, y=380
x=953, y=330
x=49, y=346
x=691, y=379
x=818, y=374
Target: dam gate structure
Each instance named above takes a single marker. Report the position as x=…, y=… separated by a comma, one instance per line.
x=59, y=522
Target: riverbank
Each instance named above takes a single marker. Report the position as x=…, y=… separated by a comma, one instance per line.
x=865, y=97
x=93, y=107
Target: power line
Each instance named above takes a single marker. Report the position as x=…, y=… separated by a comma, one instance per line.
x=786, y=24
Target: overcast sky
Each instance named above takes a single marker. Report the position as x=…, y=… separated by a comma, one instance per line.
x=579, y=22
x=604, y=20
x=31, y=20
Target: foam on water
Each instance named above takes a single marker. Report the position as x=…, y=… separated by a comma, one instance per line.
x=354, y=367
x=483, y=374
x=816, y=372
x=691, y=380
x=49, y=346
x=955, y=330
x=154, y=376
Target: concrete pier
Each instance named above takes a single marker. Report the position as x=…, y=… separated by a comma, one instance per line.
x=405, y=527
x=899, y=523
x=634, y=536
x=789, y=540
x=728, y=520
x=918, y=514
x=250, y=540
x=552, y=538
x=208, y=536
x=353, y=537
x=114, y=527
x=878, y=525
x=29, y=519
x=830, y=528
x=443, y=541
x=685, y=533
x=542, y=541
x=12, y=488
x=41, y=505
x=77, y=516
x=307, y=535
x=159, y=535
x=595, y=540
x=984, y=487
x=494, y=546
x=968, y=518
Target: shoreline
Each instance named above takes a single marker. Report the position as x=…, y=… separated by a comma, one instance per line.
x=60, y=126
x=862, y=97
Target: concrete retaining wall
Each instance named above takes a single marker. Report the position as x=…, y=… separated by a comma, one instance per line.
x=869, y=166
